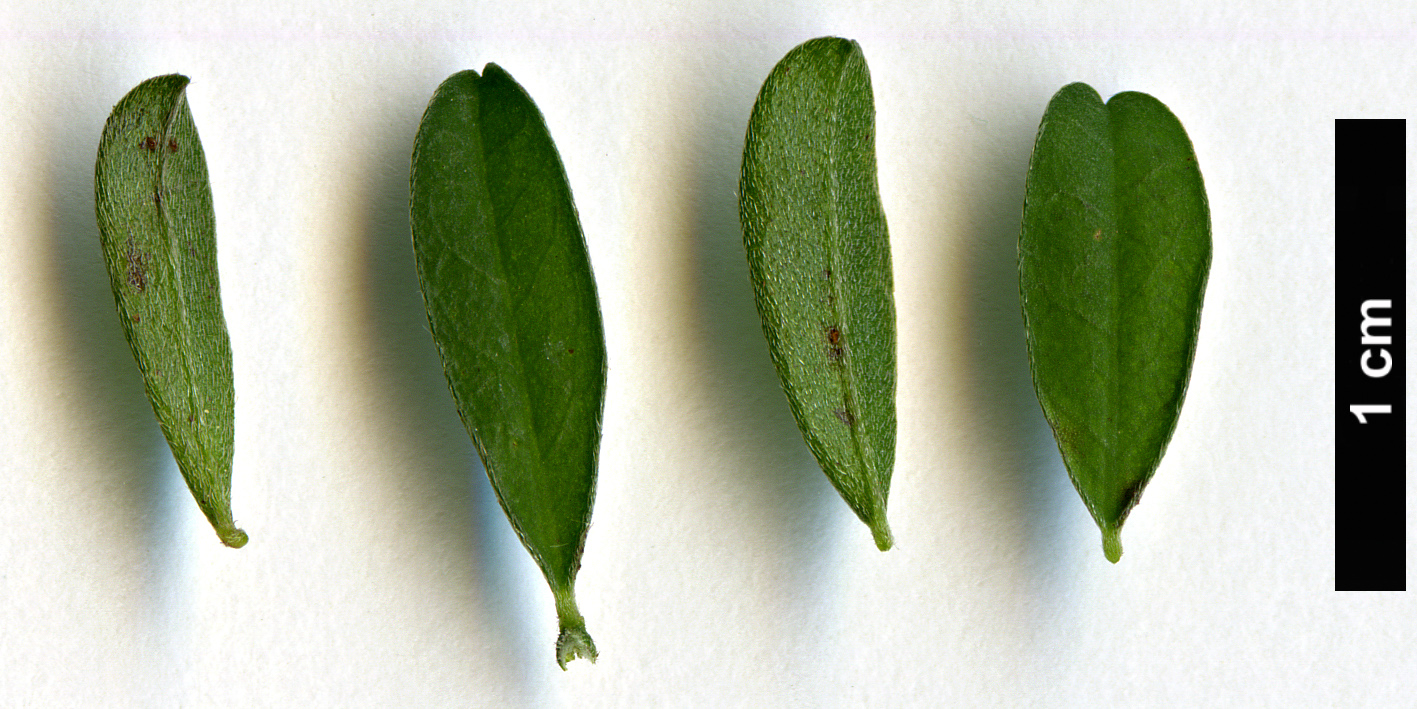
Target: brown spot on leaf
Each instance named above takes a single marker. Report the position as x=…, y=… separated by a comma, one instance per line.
x=845, y=417
x=1132, y=493
x=171, y=145
x=149, y=144
x=137, y=267
x=833, y=335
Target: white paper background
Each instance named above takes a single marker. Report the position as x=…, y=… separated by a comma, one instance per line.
x=721, y=569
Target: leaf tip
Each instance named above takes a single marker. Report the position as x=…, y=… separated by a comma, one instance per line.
x=232, y=537
x=574, y=642
x=1112, y=544
x=882, y=533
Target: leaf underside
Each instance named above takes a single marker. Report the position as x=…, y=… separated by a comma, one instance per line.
x=1113, y=259
x=512, y=304
x=819, y=257
x=158, y=233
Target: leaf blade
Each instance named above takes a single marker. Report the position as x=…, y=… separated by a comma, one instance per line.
x=512, y=304
x=158, y=233
x=1113, y=258
x=819, y=256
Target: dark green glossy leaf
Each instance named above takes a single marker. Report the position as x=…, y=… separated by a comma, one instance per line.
x=820, y=261
x=158, y=232
x=512, y=304
x=1113, y=260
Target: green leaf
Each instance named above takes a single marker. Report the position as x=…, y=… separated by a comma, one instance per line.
x=1113, y=259
x=513, y=308
x=820, y=261
x=158, y=233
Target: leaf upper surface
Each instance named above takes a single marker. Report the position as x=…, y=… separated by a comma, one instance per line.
x=1113, y=259
x=512, y=304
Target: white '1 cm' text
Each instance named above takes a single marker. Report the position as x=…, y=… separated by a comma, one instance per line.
x=1376, y=363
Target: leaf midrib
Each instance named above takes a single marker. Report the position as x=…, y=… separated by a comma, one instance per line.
x=513, y=304
x=846, y=370
x=174, y=262
x=1114, y=380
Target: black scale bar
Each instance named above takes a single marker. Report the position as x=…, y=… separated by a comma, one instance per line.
x=1370, y=474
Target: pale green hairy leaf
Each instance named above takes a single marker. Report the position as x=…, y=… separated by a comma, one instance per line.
x=512, y=304
x=1113, y=259
x=819, y=256
x=158, y=234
